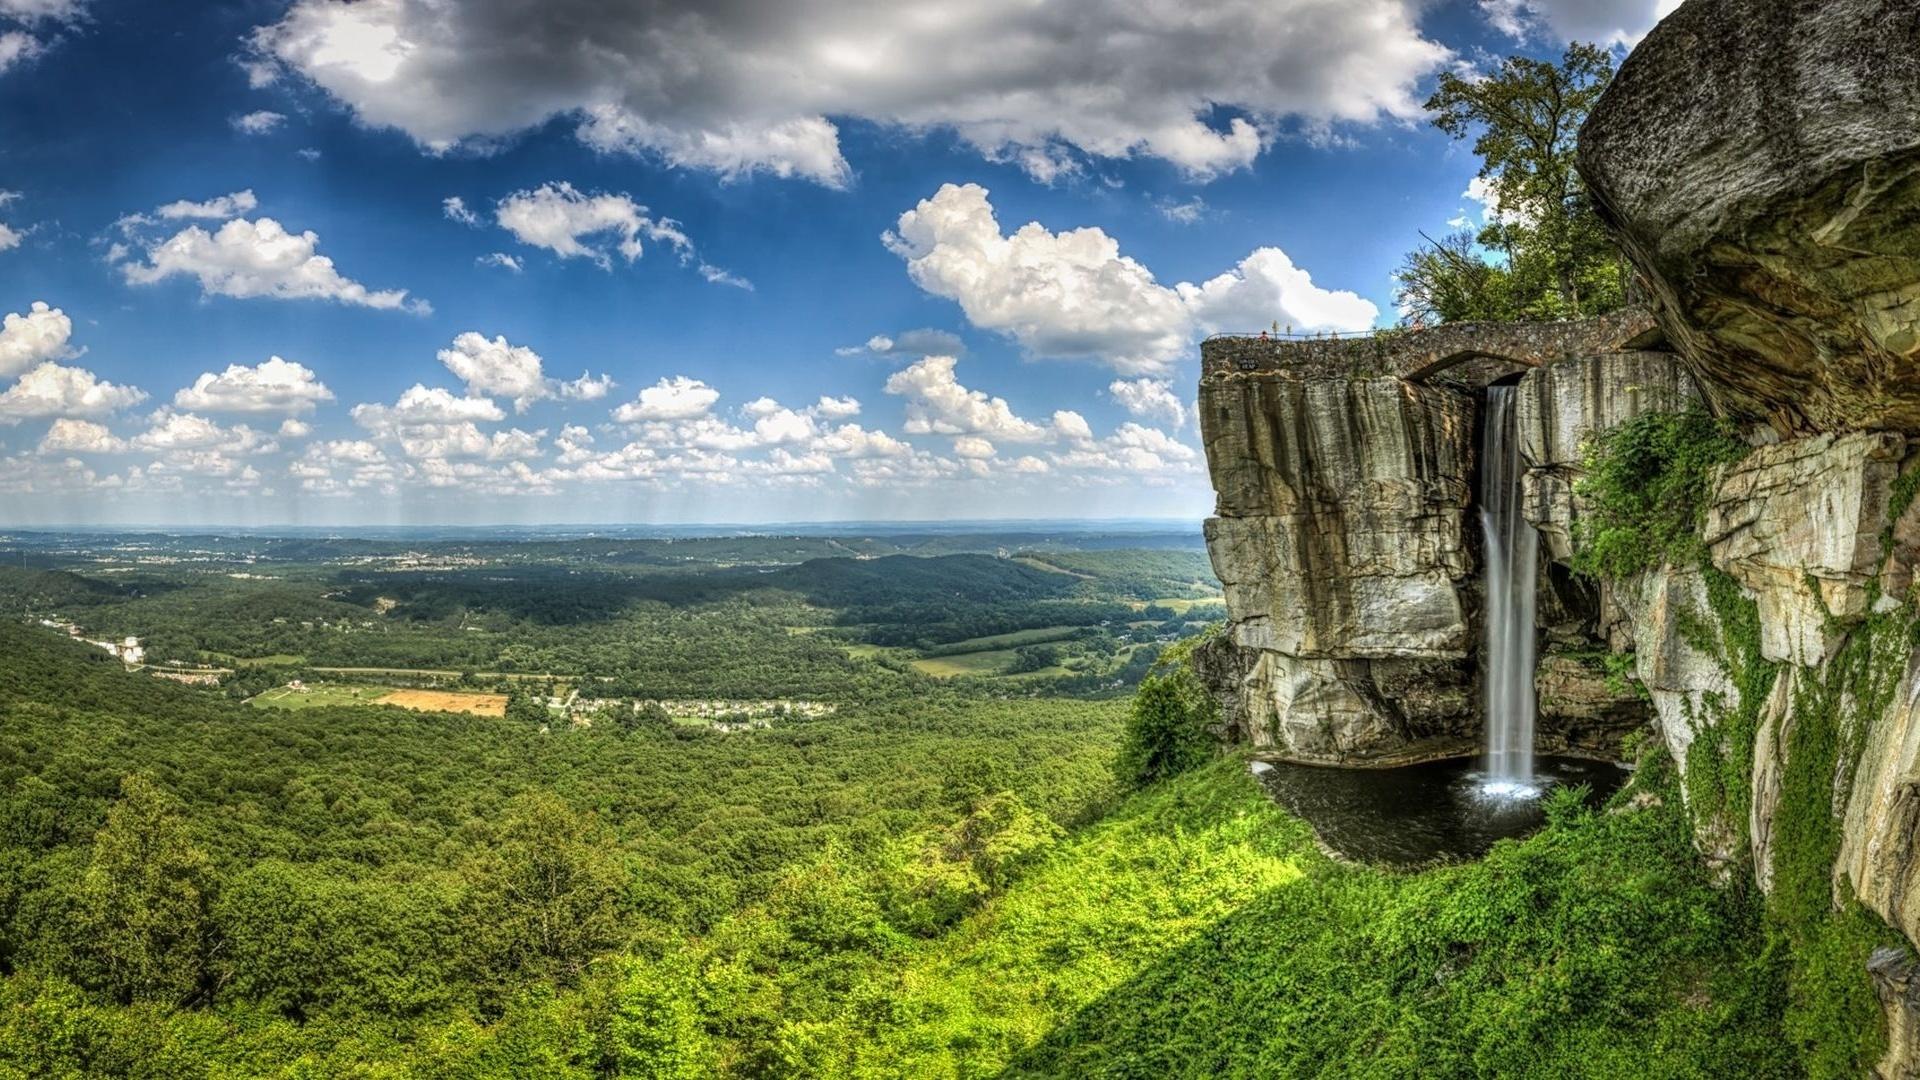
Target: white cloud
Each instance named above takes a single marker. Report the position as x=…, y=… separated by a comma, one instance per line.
x=171, y=430
x=938, y=405
x=39, y=22
x=1068, y=294
x=1267, y=287
x=1608, y=22
x=910, y=345
x=832, y=408
x=272, y=386
x=9, y=237
x=291, y=428
x=1131, y=451
x=496, y=366
x=676, y=398
x=40, y=334
x=248, y=259
x=746, y=88
x=259, y=122
x=222, y=206
x=419, y=405
x=17, y=46
x=1182, y=213
x=50, y=390
x=1149, y=397
x=493, y=366
x=574, y=224
x=1072, y=294
x=499, y=259
x=973, y=446
x=71, y=436
x=1071, y=426
x=585, y=388
x=456, y=209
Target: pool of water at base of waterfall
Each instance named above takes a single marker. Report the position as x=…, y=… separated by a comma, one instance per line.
x=1433, y=812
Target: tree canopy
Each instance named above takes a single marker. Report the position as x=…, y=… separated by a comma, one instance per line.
x=1540, y=252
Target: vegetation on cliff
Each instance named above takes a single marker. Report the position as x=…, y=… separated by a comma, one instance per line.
x=1541, y=251
x=1644, y=487
x=1645, y=490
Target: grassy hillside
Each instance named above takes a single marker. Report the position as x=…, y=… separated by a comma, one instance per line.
x=1199, y=932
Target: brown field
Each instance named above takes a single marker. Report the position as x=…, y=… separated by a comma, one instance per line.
x=448, y=701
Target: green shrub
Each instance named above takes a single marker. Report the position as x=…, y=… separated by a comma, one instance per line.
x=1645, y=491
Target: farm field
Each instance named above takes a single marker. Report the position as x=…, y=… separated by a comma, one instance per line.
x=447, y=701
x=326, y=695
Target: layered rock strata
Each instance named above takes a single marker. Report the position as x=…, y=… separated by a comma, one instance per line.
x=1347, y=541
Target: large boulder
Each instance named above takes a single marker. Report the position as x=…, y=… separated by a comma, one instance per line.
x=1760, y=162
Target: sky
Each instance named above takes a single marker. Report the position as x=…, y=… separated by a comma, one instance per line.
x=395, y=262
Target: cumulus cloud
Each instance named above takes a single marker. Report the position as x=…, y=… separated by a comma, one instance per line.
x=70, y=436
x=1609, y=22
x=422, y=406
x=173, y=430
x=749, y=88
x=272, y=386
x=1073, y=294
x=496, y=366
x=1150, y=398
x=938, y=405
x=910, y=345
x=1267, y=287
x=675, y=398
x=40, y=334
x=51, y=390
x=574, y=224
x=258, y=122
x=258, y=258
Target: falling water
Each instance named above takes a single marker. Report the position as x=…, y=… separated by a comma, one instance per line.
x=1511, y=554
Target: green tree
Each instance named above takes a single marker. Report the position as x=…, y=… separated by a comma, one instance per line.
x=1167, y=729
x=1542, y=253
x=543, y=900
x=143, y=899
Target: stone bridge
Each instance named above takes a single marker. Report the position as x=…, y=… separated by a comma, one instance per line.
x=1419, y=355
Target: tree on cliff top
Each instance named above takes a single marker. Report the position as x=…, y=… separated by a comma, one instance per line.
x=1542, y=253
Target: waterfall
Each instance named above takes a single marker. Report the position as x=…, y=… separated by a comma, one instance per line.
x=1511, y=553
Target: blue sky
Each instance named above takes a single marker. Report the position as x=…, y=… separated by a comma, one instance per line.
x=701, y=211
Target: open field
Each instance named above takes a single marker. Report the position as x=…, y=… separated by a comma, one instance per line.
x=319, y=697
x=1011, y=640
x=447, y=701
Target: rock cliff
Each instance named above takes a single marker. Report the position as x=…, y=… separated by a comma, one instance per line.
x=1759, y=161
x=1345, y=472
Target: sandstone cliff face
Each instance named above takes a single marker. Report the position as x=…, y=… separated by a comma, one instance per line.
x=1348, y=546
x=1761, y=163
x=1342, y=546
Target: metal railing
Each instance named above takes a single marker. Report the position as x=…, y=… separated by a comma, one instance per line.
x=1302, y=335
